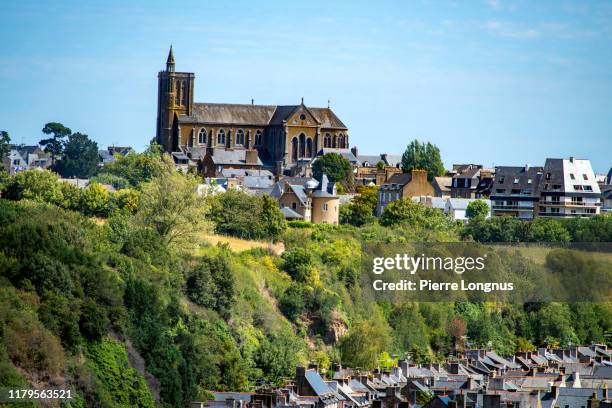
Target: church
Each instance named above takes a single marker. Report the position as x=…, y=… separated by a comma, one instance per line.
x=281, y=138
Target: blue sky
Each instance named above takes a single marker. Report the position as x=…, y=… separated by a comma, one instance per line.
x=495, y=82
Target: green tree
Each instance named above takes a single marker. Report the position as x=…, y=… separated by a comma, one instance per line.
x=547, y=230
x=5, y=140
x=80, y=158
x=360, y=210
x=336, y=167
x=405, y=211
x=423, y=156
x=272, y=218
x=171, y=206
x=54, y=144
x=298, y=263
x=364, y=343
x=477, y=209
x=277, y=356
x=212, y=284
x=36, y=185
x=138, y=168
x=95, y=200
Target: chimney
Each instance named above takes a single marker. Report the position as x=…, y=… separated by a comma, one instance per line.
x=300, y=372
x=354, y=150
x=593, y=402
x=279, y=169
x=420, y=175
x=313, y=366
x=251, y=156
x=571, y=159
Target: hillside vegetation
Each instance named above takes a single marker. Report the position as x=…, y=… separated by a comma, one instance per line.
x=141, y=310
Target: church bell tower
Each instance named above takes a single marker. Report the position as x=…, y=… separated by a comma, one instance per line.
x=174, y=98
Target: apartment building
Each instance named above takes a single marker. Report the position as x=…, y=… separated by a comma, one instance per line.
x=568, y=188
x=515, y=191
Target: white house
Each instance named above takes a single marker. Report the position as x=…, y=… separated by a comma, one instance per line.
x=455, y=207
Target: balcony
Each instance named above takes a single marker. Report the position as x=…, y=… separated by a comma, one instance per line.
x=568, y=204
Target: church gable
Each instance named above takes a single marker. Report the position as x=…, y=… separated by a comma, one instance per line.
x=302, y=116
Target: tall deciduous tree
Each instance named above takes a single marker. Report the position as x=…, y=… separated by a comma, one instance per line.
x=423, y=156
x=55, y=143
x=170, y=205
x=80, y=157
x=477, y=209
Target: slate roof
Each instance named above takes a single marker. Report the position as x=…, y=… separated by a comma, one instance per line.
x=255, y=115
x=401, y=179
x=290, y=214
x=511, y=173
x=570, y=397
x=346, y=153
x=230, y=156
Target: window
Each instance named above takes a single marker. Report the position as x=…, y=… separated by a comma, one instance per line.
x=177, y=91
x=294, y=205
x=302, y=117
x=501, y=180
x=183, y=94
x=516, y=180
x=325, y=207
x=528, y=181
x=572, y=176
x=221, y=137
x=258, y=138
x=309, y=150
x=202, y=136
x=548, y=176
x=516, y=191
x=578, y=187
x=500, y=191
x=240, y=137
x=546, y=186
x=584, y=176
x=587, y=188
x=327, y=140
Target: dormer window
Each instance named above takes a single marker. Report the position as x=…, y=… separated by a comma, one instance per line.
x=501, y=180
x=572, y=176
x=585, y=177
x=548, y=176
x=516, y=180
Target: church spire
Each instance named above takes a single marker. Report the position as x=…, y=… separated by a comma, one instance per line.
x=170, y=61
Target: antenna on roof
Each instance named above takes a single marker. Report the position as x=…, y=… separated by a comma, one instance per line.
x=302, y=100
x=252, y=101
x=328, y=102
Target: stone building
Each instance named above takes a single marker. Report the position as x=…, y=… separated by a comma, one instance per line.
x=284, y=136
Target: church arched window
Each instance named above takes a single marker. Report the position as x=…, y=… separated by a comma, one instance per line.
x=327, y=140
x=240, y=137
x=221, y=137
x=302, y=145
x=294, y=148
x=309, y=147
x=177, y=93
x=202, y=136
x=183, y=94
x=258, y=138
